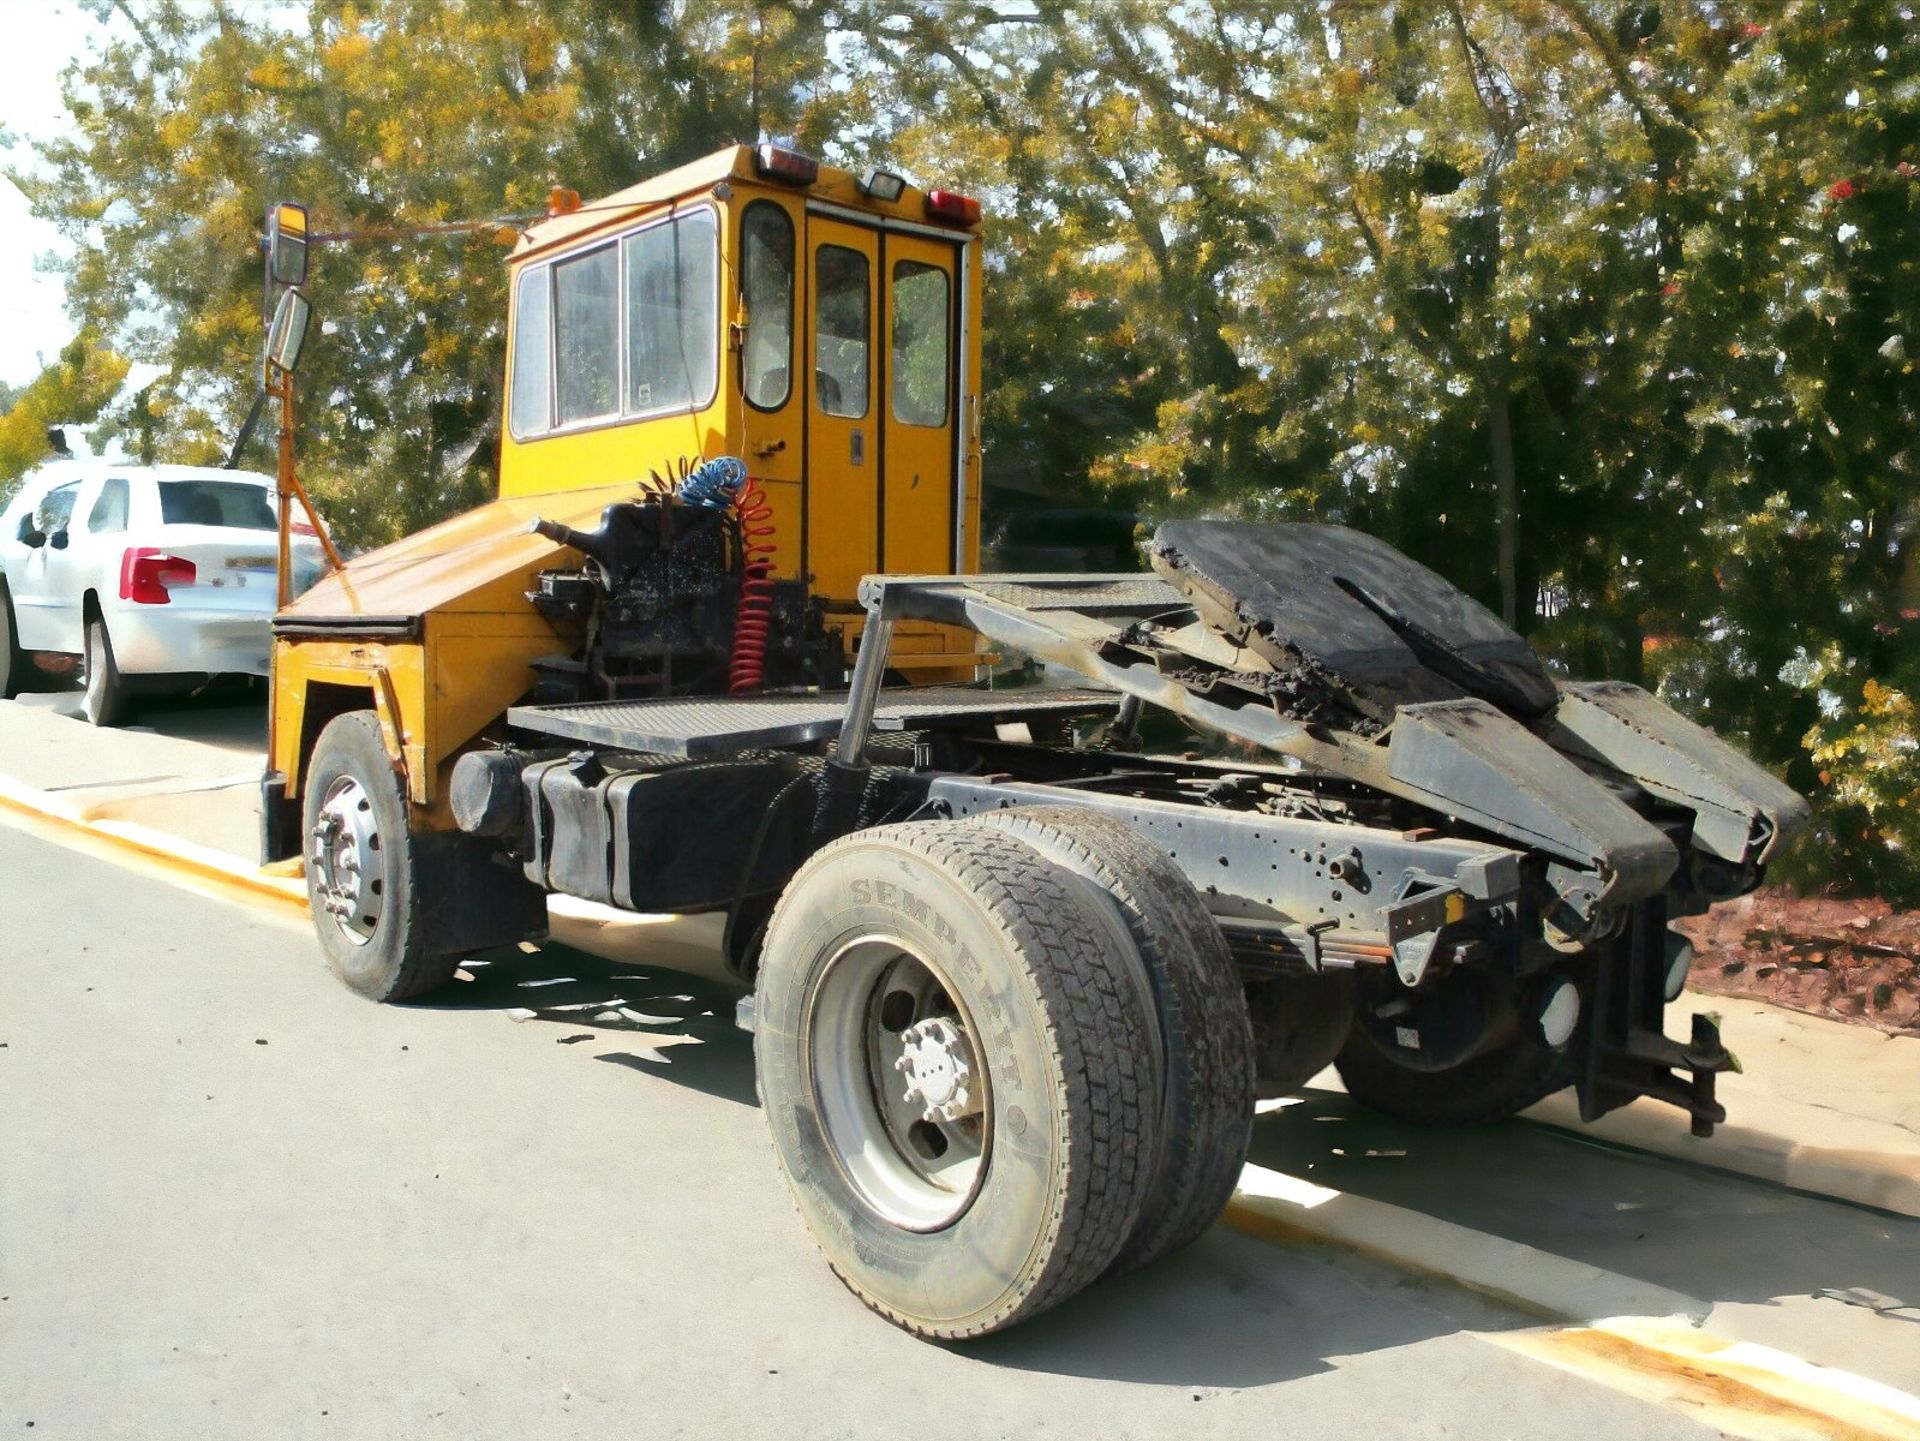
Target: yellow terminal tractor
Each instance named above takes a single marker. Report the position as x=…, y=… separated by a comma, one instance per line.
x=1017, y=962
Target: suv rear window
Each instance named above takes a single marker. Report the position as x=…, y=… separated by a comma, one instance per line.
x=216, y=502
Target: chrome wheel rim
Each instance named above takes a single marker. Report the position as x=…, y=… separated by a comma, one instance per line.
x=343, y=861
x=901, y=1085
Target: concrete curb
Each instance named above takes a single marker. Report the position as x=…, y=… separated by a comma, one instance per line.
x=199, y=867
x=1630, y=1335
x=1888, y=1179
x=1280, y=1207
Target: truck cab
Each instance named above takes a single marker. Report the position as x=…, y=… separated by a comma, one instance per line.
x=821, y=326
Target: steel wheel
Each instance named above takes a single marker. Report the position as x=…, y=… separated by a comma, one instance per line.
x=902, y=1089
x=343, y=856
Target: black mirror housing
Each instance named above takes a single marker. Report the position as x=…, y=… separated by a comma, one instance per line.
x=33, y=539
x=58, y=540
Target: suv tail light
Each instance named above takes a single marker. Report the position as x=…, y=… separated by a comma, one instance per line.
x=146, y=572
x=948, y=205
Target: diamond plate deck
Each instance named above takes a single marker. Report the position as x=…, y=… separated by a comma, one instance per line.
x=701, y=729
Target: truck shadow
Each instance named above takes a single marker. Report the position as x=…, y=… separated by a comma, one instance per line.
x=1235, y=1311
x=1228, y=1312
x=1225, y=1314
x=1709, y=1234
x=671, y=1025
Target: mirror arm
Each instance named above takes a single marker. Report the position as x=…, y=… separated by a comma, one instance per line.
x=246, y=430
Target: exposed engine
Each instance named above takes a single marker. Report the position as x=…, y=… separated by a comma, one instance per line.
x=675, y=596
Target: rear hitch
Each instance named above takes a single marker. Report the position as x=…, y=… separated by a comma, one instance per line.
x=1645, y=1065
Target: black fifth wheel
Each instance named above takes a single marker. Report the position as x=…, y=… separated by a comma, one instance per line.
x=956, y=1062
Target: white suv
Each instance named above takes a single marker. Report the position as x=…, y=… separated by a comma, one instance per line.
x=165, y=573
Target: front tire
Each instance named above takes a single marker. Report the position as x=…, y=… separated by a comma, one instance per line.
x=957, y=1071
x=104, y=699
x=363, y=867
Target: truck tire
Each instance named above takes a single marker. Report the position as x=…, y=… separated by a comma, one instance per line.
x=363, y=867
x=103, y=701
x=1206, y=1040
x=1486, y=1088
x=956, y=1070
x=1300, y=1024
x=13, y=660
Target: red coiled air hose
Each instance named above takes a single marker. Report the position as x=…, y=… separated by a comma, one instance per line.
x=754, y=615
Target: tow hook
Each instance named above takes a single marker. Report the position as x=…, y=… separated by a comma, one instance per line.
x=1706, y=1057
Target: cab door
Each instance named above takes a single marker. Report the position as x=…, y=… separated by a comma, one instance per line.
x=918, y=453
x=843, y=409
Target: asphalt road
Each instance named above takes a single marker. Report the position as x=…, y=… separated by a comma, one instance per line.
x=236, y=1200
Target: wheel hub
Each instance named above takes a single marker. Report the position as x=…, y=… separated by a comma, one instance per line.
x=937, y=1062
x=904, y=1095
x=343, y=860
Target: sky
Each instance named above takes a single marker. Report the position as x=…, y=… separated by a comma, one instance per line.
x=42, y=36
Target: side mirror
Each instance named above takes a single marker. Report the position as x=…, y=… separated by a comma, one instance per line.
x=287, y=244
x=288, y=333
x=58, y=540
x=31, y=538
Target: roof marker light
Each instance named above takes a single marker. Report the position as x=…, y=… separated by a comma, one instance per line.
x=949, y=205
x=790, y=167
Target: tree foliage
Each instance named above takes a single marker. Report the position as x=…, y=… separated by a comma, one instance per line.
x=71, y=391
x=1604, y=309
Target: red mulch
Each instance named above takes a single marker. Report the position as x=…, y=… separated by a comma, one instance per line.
x=1852, y=960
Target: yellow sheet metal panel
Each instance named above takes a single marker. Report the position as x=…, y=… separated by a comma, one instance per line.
x=483, y=560
x=393, y=674
x=479, y=665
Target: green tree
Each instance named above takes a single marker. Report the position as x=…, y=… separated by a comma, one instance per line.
x=71, y=391
x=388, y=119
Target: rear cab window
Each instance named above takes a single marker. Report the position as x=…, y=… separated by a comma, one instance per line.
x=921, y=315
x=766, y=243
x=231, y=503
x=842, y=327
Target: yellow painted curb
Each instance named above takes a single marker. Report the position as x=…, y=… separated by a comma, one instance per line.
x=1631, y=1336
x=197, y=867
x=1734, y=1386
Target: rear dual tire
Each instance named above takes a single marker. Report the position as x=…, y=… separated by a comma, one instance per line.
x=1069, y=977
x=1199, y=1004
x=1050, y=1027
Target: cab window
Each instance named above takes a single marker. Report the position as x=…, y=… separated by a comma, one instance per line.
x=533, y=353
x=766, y=279
x=673, y=321
x=842, y=330
x=921, y=315
x=109, y=513
x=586, y=326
